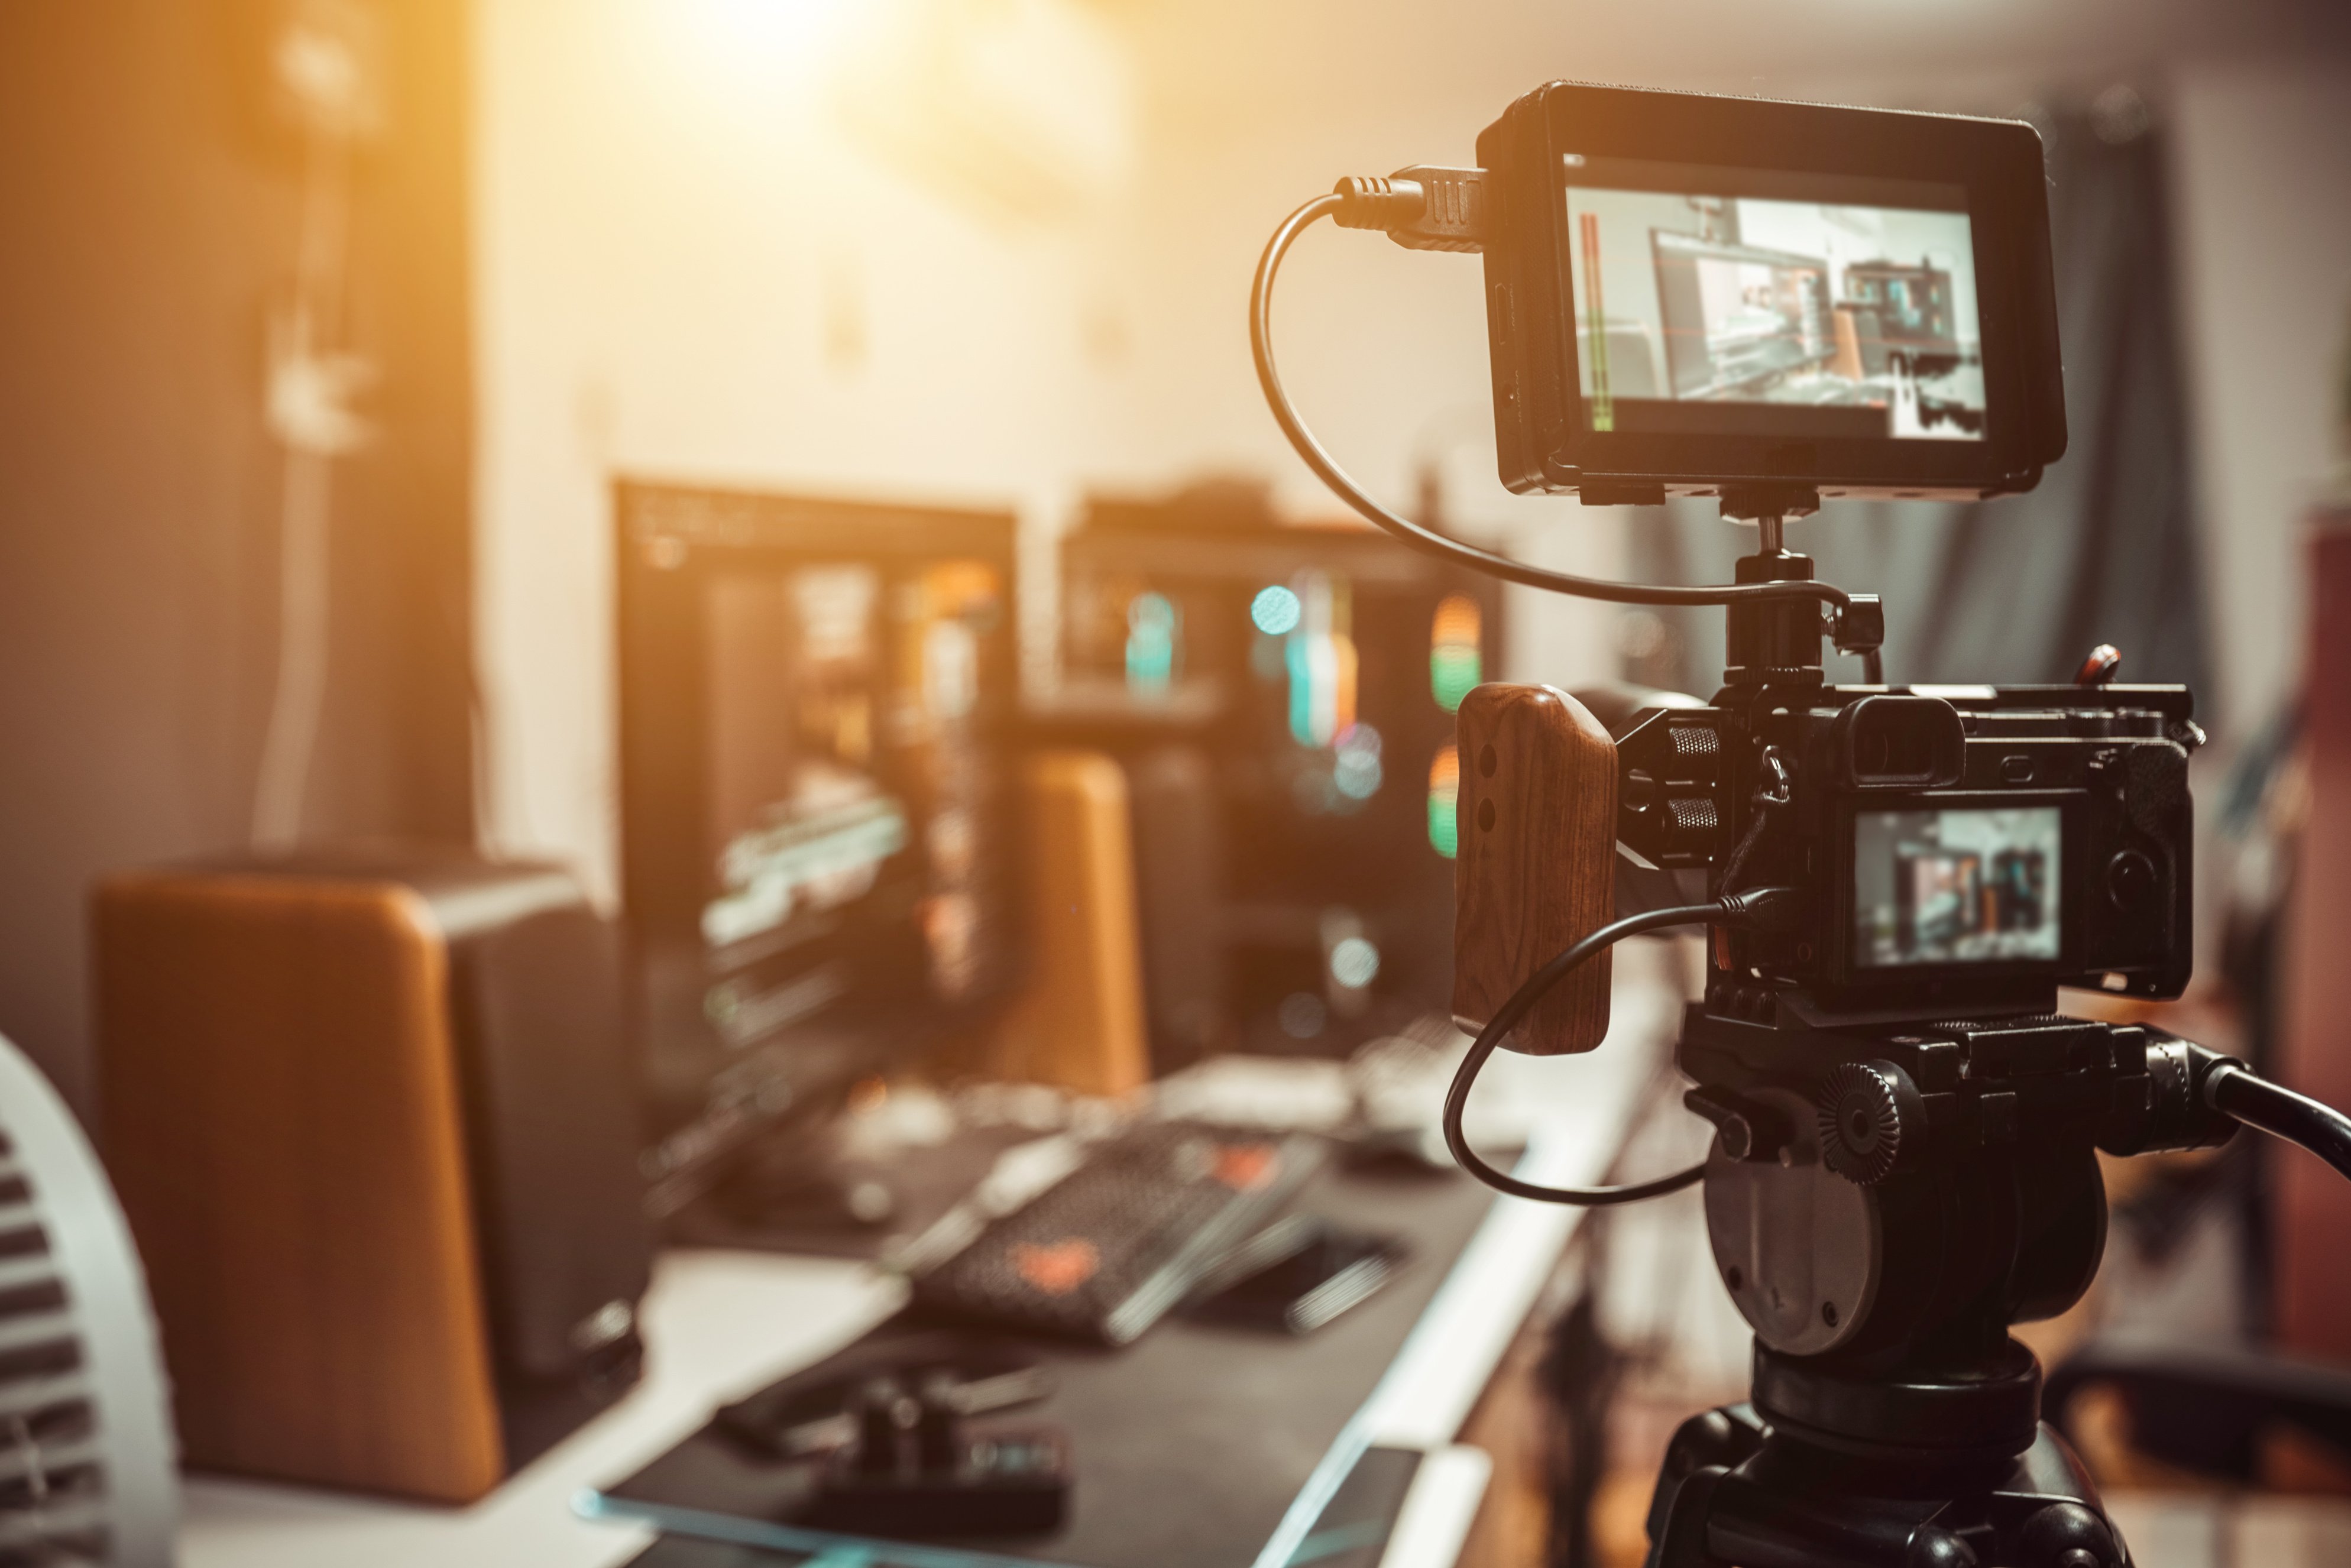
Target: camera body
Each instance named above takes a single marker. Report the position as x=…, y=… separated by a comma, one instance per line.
x=1685, y=292
x=1962, y=849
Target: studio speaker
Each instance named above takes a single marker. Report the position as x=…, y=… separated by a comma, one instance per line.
x=1078, y=1020
x=369, y=1115
x=1180, y=881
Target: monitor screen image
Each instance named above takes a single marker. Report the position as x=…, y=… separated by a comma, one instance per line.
x=815, y=832
x=1285, y=698
x=1970, y=887
x=807, y=810
x=1701, y=310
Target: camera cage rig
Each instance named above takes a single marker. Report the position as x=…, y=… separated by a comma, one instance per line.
x=1890, y=1186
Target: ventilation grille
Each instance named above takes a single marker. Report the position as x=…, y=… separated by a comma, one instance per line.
x=53, y=1493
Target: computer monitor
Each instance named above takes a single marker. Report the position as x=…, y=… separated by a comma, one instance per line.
x=1283, y=698
x=815, y=804
x=1736, y=314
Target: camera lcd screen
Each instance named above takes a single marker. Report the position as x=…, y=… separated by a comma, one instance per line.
x=1745, y=302
x=1974, y=886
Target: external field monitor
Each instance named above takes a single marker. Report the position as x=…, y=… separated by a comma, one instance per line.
x=1686, y=293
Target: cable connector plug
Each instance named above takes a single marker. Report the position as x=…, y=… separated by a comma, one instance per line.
x=1763, y=909
x=1421, y=206
x=1858, y=625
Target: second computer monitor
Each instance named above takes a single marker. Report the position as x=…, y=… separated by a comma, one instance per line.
x=816, y=819
x=1283, y=701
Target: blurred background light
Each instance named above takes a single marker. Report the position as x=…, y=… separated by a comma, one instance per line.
x=1355, y=769
x=1443, y=792
x=1321, y=658
x=1302, y=1015
x=1455, y=663
x=1275, y=611
x=1354, y=963
x=1153, y=627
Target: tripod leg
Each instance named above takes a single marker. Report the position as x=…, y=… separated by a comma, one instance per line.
x=1722, y=1438
x=1681, y=1543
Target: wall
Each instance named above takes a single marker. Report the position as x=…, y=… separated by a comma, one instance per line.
x=150, y=202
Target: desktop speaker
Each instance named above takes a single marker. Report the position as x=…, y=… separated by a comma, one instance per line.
x=370, y=1118
x=1180, y=877
x=1078, y=1021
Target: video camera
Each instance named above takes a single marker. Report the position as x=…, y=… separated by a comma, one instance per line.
x=1768, y=303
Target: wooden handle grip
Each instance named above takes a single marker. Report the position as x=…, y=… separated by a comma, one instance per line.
x=1536, y=872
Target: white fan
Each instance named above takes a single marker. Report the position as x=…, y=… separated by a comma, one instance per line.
x=86, y=1450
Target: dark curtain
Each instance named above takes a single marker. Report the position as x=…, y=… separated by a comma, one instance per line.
x=2106, y=550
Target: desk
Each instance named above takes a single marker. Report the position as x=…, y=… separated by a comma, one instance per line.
x=719, y=1325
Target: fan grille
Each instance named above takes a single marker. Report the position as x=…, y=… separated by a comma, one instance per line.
x=53, y=1493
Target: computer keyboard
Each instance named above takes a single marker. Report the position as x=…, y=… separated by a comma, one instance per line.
x=1104, y=1253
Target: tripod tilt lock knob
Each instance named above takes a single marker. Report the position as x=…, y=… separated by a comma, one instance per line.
x=1871, y=1121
